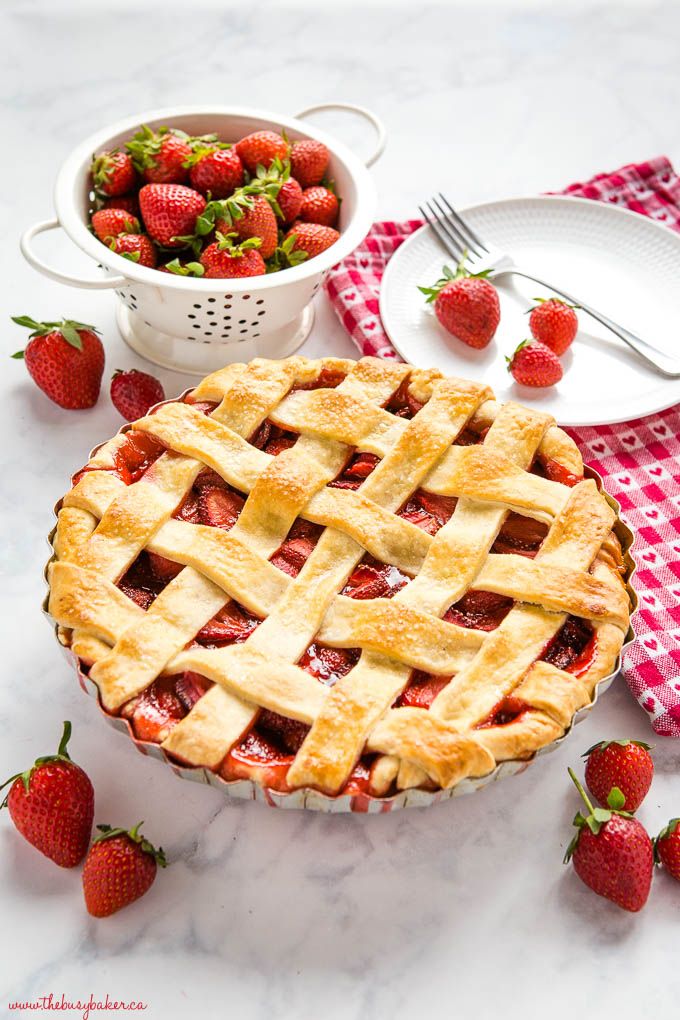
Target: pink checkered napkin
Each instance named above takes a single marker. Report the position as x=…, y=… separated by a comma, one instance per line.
x=640, y=460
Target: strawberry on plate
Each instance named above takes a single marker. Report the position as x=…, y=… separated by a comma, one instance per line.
x=120, y=867
x=52, y=806
x=169, y=212
x=113, y=173
x=108, y=223
x=261, y=148
x=534, y=364
x=624, y=766
x=225, y=260
x=133, y=393
x=554, y=323
x=134, y=247
x=309, y=162
x=312, y=238
x=65, y=359
x=319, y=205
x=612, y=854
x=466, y=304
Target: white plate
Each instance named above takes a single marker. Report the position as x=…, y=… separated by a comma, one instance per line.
x=622, y=263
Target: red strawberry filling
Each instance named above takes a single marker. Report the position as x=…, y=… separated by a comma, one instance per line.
x=480, y=610
x=422, y=689
x=374, y=580
x=507, y=710
x=231, y=625
x=554, y=471
x=573, y=648
x=294, y=551
x=328, y=664
x=155, y=711
x=520, y=535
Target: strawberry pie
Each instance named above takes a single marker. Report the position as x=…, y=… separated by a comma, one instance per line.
x=348, y=577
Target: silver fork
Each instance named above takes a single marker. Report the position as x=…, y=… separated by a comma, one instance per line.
x=462, y=242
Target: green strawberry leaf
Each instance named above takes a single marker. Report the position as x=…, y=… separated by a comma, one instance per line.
x=616, y=798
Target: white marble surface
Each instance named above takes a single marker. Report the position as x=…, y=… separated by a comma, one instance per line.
x=460, y=910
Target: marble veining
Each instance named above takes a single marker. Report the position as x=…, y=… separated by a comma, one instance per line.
x=463, y=909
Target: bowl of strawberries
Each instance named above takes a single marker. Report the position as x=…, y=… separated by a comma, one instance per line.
x=214, y=226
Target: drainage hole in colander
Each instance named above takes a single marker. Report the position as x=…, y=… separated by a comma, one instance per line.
x=208, y=333
x=244, y=331
x=255, y=323
x=260, y=302
x=226, y=318
x=212, y=300
x=227, y=306
x=196, y=325
x=228, y=297
x=191, y=316
x=197, y=306
x=241, y=322
x=261, y=313
x=212, y=323
x=246, y=297
x=255, y=335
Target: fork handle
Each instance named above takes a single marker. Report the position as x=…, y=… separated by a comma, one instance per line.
x=662, y=362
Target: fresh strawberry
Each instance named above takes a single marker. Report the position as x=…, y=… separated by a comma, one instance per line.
x=308, y=162
x=219, y=507
x=319, y=205
x=534, y=364
x=554, y=323
x=261, y=148
x=108, y=223
x=225, y=260
x=217, y=171
x=52, y=806
x=113, y=173
x=667, y=848
x=162, y=156
x=257, y=219
x=290, y=200
x=136, y=248
x=120, y=867
x=624, y=766
x=134, y=392
x=466, y=304
x=65, y=359
x=127, y=202
x=612, y=854
x=312, y=238
x=169, y=212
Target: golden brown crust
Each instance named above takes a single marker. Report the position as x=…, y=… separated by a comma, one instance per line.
x=104, y=524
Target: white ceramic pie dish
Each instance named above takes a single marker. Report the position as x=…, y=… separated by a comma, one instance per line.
x=313, y=800
x=196, y=326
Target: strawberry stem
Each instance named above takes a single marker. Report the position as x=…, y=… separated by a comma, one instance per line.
x=580, y=789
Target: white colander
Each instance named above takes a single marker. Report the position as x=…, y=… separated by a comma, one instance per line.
x=196, y=325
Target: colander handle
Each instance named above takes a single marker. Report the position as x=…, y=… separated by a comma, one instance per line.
x=368, y=115
x=55, y=274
